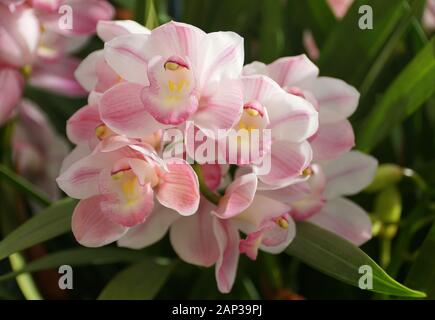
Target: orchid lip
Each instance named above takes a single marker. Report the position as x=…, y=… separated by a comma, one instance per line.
x=174, y=63
x=253, y=108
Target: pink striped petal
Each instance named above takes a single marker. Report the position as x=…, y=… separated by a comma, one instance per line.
x=349, y=174
x=337, y=100
x=90, y=225
x=259, y=88
x=178, y=39
x=127, y=55
x=75, y=155
x=107, y=30
x=238, y=196
x=86, y=72
x=332, y=140
x=288, y=161
x=291, y=118
x=179, y=188
x=122, y=110
x=193, y=239
x=228, y=238
x=81, y=179
x=223, y=57
x=255, y=68
x=220, y=106
x=12, y=84
x=152, y=230
x=81, y=126
x=346, y=219
x=57, y=76
x=292, y=71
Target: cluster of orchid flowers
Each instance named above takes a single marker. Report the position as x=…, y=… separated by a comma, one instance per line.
x=144, y=84
x=35, y=49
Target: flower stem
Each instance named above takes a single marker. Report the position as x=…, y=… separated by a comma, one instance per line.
x=206, y=192
x=24, y=281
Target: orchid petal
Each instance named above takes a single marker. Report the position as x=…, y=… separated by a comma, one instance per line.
x=90, y=225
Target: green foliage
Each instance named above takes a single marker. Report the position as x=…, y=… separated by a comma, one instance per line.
x=130, y=283
x=332, y=255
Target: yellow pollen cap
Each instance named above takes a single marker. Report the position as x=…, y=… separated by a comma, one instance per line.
x=173, y=66
x=100, y=131
x=282, y=223
x=307, y=172
x=252, y=112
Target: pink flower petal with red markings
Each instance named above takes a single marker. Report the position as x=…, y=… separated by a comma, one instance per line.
x=122, y=110
x=152, y=230
x=349, y=174
x=90, y=225
x=228, y=238
x=346, y=219
x=81, y=126
x=332, y=140
x=238, y=196
x=193, y=238
x=179, y=188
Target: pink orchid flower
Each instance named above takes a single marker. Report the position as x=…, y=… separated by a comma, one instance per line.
x=116, y=184
x=320, y=199
x=38, y=151
x=11, y=82
x=333, y=98
x=292, y=121
x=180, y=73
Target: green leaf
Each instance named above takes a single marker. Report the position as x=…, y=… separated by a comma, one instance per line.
x=271, y=32
x=79, y=257
x=139, y=281
x=407, y=93
x=47, y=224
x=146, y=14
x=422, y=273
x=25, y=186
x=338, y=258
x=349, y=51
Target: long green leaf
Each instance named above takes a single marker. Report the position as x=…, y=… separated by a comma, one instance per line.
x=24, y=185
x=349, y=51
x=79, y=257
x=139, y=281
x=47, y=224
x=334, y=256
x=422, y=273
x=414, y=86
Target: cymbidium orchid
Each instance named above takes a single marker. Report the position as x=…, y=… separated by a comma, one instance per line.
x=333, y=98
x=144, y=84
x=179, y=73
x=116, y=184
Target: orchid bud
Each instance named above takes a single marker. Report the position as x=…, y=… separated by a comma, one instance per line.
x=388, y=209
x=387, y=175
